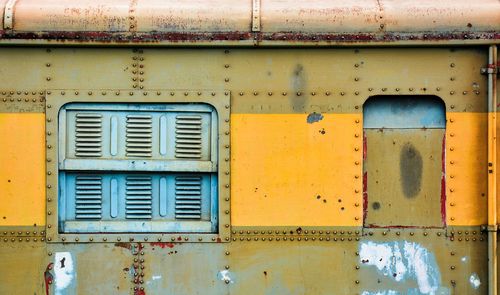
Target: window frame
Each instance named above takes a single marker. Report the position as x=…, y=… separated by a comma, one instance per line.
x=57, y=99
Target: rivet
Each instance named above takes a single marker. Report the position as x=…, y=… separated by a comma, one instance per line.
x=452, y=267
x=48, y=78
x=227, y=253
x=130, y=93
x=452, y=218
x=438, y=88
x=226, y=66
x=172, y=93
x=452, y=65
x=452, y=92
x=464, y=93
x=356, y=92
x=356, y=65
x=342, y=93
x=357, y=121
x=356, y=218
x=425, y=233
x=299, y=93
x=356, y=149
x=186, y=93
x=412, y=233
x=357, y=282
x=452, y=79
x=213, y=93
x=105, y=239
x=313, y=93
x=356, y=79
x=159, y=93
x=356, y=204
x=411, y=89
x=145, y=93
x=452, y=204
x=117, y=93
x=397, y=89
x=384, y=89
x=452, y=162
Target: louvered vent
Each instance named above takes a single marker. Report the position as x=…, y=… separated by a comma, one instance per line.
x=88, y=197
x=88, y=135
x=188, y=137
x=139, y=135
x=187, y=197
x=138, y=200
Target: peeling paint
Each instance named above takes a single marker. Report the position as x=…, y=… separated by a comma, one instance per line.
x=224, y=275
x=474, y=280
x=314, y=117
x=384, y=292
x=63, y=271
x=403, y=261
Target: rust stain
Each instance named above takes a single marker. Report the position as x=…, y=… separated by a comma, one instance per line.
x=289, y=37
x=365, y=195
x=443, y=181
x=124, y=245
x=163, y=245
x=48, y=278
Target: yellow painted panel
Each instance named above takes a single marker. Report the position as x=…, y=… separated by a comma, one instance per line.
x=22, y=169
x=287, y=172
x=466, y=168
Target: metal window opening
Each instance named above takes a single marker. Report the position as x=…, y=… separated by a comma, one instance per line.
x=136, y=167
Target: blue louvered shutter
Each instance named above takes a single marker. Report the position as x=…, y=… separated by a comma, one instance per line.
x=138, y=168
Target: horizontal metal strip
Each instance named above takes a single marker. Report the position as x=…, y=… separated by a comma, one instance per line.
x=138, y=165
x=140, y=226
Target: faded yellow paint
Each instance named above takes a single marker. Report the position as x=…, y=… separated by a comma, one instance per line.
x=286, y=171
x=466, y=169
x=22, y=177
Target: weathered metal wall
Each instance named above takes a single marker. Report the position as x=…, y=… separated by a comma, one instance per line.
x=298, y=197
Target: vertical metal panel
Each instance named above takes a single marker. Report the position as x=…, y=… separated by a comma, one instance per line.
x=403, y=177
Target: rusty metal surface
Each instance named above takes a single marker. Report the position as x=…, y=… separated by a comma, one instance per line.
x=280, y=22
x=259, y=258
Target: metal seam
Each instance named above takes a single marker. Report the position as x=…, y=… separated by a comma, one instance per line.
x=8, y=15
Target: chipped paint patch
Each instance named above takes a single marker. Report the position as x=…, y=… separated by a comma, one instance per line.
x=156, y=278
x=63, y=271
x=403, y=261
x=474, y=280
x=314, y=117
x=225, y=276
